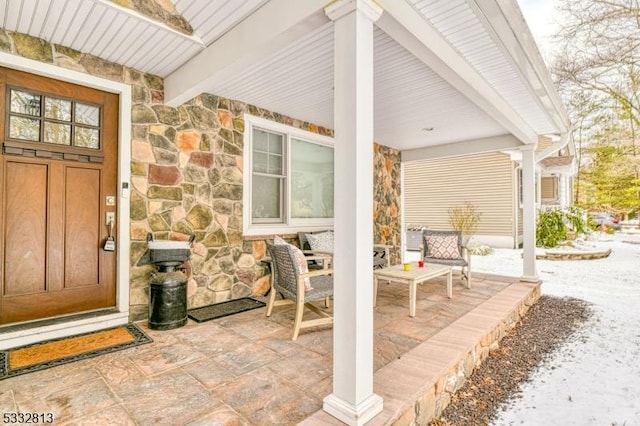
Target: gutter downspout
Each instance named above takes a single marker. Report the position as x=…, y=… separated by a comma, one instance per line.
x=556, y=146
x=516, y=205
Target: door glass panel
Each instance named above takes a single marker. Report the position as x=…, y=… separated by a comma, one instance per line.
x=24, y=128
x=58, y=109
x=87, y=138
x=87, y=114
x=25, y=103
x=57, y=133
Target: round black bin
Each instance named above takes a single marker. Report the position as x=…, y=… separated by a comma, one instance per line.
x=168, y=300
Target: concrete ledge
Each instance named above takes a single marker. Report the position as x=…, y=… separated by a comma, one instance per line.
x=418, y=386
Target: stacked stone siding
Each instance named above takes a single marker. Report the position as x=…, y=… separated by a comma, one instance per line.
x=186, y=179
x=386, y=199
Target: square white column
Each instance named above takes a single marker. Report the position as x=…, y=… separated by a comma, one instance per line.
x=529, y=214
x=353, y=401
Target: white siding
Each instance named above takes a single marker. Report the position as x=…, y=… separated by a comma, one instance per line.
x=431, y=187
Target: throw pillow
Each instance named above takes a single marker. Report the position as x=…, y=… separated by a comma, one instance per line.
x=299, y=257
x=277, y=240
x=442, y=246
x=322, y=241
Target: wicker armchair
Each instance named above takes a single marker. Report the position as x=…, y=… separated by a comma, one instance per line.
x=289, y=282
x=381, y=257
x=446, y=248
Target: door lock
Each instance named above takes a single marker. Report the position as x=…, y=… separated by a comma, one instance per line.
x=111, y=218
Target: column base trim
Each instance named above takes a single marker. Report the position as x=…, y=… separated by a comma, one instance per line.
x=353, y=415
x=530, y=278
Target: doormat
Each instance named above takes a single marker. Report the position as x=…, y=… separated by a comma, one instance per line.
x=224, y=309
x=38, y=356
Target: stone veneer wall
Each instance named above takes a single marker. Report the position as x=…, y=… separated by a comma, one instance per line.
x=187, y=179
x=186, y=166
x=386, y=199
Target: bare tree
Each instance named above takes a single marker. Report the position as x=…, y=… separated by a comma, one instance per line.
x=598, y=73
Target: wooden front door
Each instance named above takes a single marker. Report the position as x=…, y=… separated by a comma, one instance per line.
x=58, y=182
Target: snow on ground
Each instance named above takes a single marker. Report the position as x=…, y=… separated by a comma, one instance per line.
x=594, y=379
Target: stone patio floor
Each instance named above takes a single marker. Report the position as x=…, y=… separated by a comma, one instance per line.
x=244, y=369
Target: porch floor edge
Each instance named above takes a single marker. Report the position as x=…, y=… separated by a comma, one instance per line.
x=418, y=386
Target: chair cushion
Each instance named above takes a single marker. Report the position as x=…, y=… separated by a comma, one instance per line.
x=322, y=241
x=442, y=246
x=300, y=258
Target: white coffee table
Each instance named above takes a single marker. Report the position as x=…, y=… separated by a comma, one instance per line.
x=413, y=277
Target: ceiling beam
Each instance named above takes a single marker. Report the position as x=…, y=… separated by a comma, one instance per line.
x=409, y=28
x=269, y=29
x=458, y=149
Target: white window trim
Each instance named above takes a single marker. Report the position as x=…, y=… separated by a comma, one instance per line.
x=290, y=225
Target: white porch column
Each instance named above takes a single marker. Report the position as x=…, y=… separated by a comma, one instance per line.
x=353, y=401
x=529, y=214
x=562, y=191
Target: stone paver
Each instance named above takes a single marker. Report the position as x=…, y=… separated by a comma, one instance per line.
x=245, y=370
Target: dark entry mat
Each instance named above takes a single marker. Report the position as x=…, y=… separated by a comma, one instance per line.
x=224, y=309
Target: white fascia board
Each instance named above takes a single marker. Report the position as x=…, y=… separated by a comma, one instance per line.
x=409, y=28
x=457, y=149
x=269, y=29
x=506, y=25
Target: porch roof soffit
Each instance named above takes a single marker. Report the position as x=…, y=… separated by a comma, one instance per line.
x=270, y=28
x=280, y=25
x=511, y=33
x=411, y=29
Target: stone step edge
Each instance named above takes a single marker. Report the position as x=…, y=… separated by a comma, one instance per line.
x=418, y=386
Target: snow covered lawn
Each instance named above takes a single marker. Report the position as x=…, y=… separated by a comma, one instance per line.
x=595, y=378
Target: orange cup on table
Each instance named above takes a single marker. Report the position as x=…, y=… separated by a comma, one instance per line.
x=421, y=263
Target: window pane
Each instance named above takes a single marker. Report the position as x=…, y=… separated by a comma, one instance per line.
x=57, y=133
x=275, y=164
x=87, y=138
x=58, y=109
x=260, y=140
x=311, y=180
x=25, y=103
x=275, y=143
x=87, y=114
x=266, y=197
x=267, y=152
x=24, y=128
x=260, y=161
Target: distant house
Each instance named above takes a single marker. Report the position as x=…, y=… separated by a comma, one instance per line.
x=490, y=181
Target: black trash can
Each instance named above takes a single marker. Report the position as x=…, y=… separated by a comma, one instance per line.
x=168, y=300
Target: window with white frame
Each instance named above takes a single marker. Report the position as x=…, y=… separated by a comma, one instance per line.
x=288, y=178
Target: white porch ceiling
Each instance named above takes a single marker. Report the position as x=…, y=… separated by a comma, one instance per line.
x=297, y=79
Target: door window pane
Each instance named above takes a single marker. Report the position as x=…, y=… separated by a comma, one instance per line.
x=25, y=103
x=24, y=128
x=55, y=120
x=87, y=114
x=266, y=198
x=87, y=138
x=311, y=180
x=57, y=109
x=57, y=133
